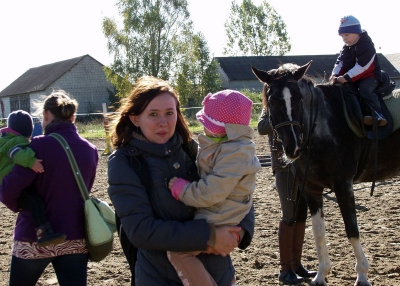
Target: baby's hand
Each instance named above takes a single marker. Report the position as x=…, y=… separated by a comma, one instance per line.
x=176, y=186
x=171, y=182
x=37, y=166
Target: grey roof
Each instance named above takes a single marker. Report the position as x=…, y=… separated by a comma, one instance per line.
x=394, y=60
x=239, y=68
x=39, y=78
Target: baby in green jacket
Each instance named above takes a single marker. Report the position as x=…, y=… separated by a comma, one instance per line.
x=14, y=141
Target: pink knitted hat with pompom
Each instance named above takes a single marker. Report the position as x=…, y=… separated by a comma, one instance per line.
x=226, y=106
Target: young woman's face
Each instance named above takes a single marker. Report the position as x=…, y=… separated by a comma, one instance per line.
x=47, y=118
x=158, y=121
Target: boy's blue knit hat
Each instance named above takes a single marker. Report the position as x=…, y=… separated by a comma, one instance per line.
x=349, y=25
x=21, y=122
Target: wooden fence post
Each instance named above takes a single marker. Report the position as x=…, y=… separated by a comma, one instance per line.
x=108, y=149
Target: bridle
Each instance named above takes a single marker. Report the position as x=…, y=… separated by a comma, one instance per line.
x=287, y=123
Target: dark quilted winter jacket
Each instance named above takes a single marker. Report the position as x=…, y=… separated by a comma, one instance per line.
x=161, y=223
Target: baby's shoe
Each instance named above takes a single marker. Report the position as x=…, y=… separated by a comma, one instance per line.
x=46, y=236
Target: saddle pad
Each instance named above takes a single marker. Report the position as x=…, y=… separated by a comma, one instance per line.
x=393, y=104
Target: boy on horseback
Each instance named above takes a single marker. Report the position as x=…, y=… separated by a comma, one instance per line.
x=358, y=63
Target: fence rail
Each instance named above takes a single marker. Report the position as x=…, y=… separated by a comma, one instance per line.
x=188, y=112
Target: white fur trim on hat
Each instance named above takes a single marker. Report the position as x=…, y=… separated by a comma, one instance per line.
x=216, y=122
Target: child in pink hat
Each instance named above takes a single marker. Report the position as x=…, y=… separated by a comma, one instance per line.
x=227, y=166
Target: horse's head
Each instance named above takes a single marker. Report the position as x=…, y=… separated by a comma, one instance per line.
x=284, y=99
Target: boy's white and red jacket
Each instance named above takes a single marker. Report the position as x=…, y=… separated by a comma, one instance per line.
x=358, y=61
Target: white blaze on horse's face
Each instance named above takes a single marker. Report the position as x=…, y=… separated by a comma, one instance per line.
x=287, y=96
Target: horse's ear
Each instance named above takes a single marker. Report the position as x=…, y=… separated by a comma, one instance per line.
x=301, y=71
x=262, y=76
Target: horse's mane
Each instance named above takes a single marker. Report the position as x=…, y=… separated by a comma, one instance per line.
x=331, y=90
x=291, y=68
x=288, y=69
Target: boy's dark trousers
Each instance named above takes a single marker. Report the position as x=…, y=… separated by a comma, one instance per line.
x=31, y=201
x=366, y=88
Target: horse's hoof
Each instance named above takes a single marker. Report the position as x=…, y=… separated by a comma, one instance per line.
x=365, y=283
x=315, y=283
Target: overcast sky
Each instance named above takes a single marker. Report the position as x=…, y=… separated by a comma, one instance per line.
x=40, y=32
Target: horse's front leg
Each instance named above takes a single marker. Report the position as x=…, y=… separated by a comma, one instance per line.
x=361, y=263
x=345, y=197
x=315, y=204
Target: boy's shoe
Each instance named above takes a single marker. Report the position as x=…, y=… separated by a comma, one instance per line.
x=381, y=120
x=46, y=236
x=368, y=120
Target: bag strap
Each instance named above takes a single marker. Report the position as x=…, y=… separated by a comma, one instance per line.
x=144, y=173
x=74, y=165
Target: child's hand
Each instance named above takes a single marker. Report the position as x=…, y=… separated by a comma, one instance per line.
x=176, y=186
x=171, y=182
x=341, y=79
x=37, y=166
x=332, y=79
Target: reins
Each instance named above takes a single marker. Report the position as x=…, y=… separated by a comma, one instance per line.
x=375, y=166
x=312, y=124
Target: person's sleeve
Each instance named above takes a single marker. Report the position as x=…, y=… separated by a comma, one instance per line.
x=218, y=185
x=337, y=67
x=264, y=126
x=24, y=157
x=140, y=224
x=247, y=224
x=13, y=184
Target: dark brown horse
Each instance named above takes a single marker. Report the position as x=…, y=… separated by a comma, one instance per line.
x=309, y=121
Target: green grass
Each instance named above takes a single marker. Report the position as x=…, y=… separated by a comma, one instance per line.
x=92, y=128
x=95, y=130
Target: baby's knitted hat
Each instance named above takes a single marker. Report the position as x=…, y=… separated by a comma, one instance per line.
x=349, y=25
x=21, y=122
x=226, y=106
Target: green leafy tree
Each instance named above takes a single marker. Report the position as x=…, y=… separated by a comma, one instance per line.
x=143, y=46
x=196, y=72
x=255, y=31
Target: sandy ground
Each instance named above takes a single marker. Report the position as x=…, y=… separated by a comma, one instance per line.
x=378, y=217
